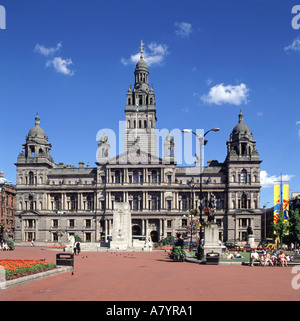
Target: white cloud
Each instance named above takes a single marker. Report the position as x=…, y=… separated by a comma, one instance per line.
x=268, y=181
x=298, y=122
x=183, y=29
x=221, y=94
x=153, y=55
x=61, y=65
x=47, y=51
x=294, y=46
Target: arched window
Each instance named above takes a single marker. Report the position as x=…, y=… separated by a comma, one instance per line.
x=30, y=202
x=244, y=201
x=31, y=178
x=135, y=202
x=73, y=203
x=243, y=176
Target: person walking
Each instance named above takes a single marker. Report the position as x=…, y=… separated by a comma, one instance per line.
x=78, y=247
x=74, y=248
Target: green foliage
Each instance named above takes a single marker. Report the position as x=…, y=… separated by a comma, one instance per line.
x=282, y=227
x=295, y=225
x=179, y=251
x=169, y=240
x=10, y=243
x=77, y=238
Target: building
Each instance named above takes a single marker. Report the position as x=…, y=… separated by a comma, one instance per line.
x=58, y=200
x=7, y=208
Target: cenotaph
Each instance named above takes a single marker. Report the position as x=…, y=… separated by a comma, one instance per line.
x=122, y=229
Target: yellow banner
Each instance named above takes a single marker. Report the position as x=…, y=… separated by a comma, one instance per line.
x=276, y=202
x=286, y=202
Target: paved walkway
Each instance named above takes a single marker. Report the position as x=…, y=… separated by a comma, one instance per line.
x=139, y=276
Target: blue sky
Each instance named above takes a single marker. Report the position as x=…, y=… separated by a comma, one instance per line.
x=71, y=61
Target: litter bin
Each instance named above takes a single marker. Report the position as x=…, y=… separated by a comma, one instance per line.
x=212, y=258
x=65, y=259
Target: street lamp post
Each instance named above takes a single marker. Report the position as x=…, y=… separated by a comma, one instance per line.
x=202, y=142
x=192, y=184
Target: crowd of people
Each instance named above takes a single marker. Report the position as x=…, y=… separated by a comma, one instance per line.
x=272, y=257
x=263, y=257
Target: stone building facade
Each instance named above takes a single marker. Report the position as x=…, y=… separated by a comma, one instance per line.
x=7, y=208
x=58, y=200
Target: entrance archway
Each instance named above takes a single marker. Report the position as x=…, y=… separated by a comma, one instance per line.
x=154, y=236
x=136, y=230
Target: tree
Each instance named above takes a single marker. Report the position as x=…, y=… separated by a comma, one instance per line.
x=295, y=225
x=281, y=228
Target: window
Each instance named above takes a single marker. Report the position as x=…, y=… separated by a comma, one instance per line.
x=244, y=201
x=71, y=223
x=57, y=202
x=30, y=202
x=135, y=203
x=73, y=203
x=135, y=177
x=55, y=223
x=169, y=179
x=154, y=176
x=90, y=202
x=169, y=205
x=154, y=202
x=117, y=177
x=31, y=178
x=243, y=176
x=184, y=202
x=88, y=223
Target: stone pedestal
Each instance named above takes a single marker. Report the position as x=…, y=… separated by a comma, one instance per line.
x=122, y=230
x=251, y=241
x=211, y=241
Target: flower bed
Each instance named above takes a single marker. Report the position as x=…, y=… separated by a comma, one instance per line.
x=18, y=268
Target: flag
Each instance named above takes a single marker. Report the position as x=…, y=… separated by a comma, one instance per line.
x=276, y=202
x=286, y=202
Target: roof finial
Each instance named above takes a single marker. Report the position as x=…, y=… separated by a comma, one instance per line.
x=142, y=48
x=37, y=119
x=241, y=117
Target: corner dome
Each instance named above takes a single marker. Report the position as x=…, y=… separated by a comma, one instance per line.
x=241, y=129
x=37, y=131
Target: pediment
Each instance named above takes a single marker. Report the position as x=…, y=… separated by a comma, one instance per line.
x=134, y=157
x=30, y=213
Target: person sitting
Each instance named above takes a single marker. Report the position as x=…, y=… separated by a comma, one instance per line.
x=282, y=258
x=254, y=257
x=5, y=247
x=268, y=259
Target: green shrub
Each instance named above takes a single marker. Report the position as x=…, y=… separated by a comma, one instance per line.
x=10, y=243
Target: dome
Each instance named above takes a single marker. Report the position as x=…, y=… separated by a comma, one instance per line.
x=3, y=180
x=141, y=65
x=241, y=129
x=37, y=131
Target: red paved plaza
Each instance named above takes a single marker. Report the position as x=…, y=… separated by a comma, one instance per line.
x=106, y=276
